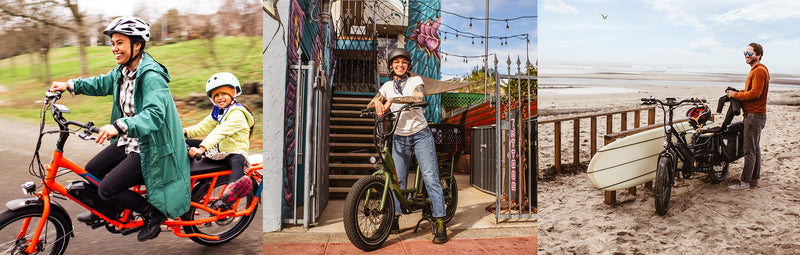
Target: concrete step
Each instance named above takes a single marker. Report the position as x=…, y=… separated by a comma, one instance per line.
x=352, y=100
x=345, y=113
x=352, y=137
x=352, y=166
x=343, y=106
x=351, y=155
x=353, y=121
x=345, y=177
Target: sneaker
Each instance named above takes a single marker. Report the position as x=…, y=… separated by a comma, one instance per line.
x=439, y=230
x=88, y=217
x=395, y=225
x=152, y=223
x=754, y=183
x=740, y=186
x=237, y=189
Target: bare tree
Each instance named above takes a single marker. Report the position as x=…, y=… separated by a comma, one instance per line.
x=34, y=10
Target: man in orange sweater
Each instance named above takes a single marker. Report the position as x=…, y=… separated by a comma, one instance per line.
x=754, y=104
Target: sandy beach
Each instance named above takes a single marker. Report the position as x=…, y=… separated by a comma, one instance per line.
x=702, y=217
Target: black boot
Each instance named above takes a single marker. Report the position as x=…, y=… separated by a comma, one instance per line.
x=152, y=223
x=395, y=225
x=439, y=230
x=88, y=217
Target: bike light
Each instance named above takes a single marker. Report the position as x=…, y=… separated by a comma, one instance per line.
x=28, y=187
x=665, y=143
x=373, y=159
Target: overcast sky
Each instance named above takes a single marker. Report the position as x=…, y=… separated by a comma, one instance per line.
x=702, y=35
x=499, y=9
x=112, y=8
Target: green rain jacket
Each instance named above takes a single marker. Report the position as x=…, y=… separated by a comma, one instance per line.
x=157, y=125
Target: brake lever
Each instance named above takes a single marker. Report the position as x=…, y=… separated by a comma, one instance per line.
x=87, y=132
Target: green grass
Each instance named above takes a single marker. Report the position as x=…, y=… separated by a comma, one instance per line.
x=189, y=63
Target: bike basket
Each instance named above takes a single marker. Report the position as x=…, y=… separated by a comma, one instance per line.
x=448, y=137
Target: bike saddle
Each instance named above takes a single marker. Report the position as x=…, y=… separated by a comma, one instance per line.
x=206, y=165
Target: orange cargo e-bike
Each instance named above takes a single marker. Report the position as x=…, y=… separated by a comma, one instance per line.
x=39, y=225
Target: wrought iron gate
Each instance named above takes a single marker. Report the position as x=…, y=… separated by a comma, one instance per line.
x=356, y=55
x=516, y=142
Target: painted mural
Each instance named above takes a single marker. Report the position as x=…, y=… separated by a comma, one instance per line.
x=423, y=43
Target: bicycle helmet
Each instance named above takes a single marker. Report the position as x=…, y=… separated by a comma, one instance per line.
x=223, y=79
x=698, y=115
x=398, y=52
x=130, y=26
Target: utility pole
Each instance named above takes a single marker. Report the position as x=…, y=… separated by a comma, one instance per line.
x=486, y=55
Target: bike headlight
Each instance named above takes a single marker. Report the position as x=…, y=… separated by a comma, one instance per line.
x=665, y=143
x=29, y=187
x=373, y=159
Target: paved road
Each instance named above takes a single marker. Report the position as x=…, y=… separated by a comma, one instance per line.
x=17, y=144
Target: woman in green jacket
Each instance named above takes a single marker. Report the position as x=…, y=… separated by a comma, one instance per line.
x=145, y=132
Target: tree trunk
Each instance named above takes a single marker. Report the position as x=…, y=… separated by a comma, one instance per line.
x=82, y=37
x=44, y=54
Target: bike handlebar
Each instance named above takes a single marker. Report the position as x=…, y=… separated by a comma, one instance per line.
x=671, y=101
x=52, y=97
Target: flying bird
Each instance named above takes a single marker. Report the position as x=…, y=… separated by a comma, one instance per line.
x=605, y=16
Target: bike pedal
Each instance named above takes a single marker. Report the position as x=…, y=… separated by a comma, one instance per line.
x=96, y=224
x=130, y=231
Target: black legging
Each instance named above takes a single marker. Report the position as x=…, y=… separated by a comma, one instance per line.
x=235, y=161
x=118, y=172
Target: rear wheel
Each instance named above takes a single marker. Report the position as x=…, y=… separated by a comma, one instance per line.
x=366, y=225
x=663, y=187
x=228, y=228
x=449, y=187
x=718, y=172
x=17, y=228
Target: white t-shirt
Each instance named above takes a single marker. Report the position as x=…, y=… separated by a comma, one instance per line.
x=411, y=121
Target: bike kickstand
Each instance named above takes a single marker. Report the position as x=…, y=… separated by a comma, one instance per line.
x=418, y=222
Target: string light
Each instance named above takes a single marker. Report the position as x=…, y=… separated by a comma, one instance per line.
x=470, y=23
x=506, y=25
x=481, y=42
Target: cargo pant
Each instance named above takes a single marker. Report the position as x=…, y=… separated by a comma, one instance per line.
x=753, y=124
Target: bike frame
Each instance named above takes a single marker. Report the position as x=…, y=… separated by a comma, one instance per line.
x=50, y=185
x=390, y=177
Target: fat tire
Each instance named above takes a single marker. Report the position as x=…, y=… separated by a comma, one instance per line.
x=352, y=211
x=60, y=221
x=662, y=187
x=198, y=193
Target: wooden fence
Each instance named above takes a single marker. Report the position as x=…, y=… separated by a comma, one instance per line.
x=593, y=130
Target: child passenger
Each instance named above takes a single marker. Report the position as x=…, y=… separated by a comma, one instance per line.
x=227, y=129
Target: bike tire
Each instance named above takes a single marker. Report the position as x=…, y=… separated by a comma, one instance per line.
x=58, y=231
x=365, y=225
x=662, y=187
x=227, y=229
x=449, y=186
x=718, y=172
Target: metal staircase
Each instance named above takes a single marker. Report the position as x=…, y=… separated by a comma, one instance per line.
x=351, y=141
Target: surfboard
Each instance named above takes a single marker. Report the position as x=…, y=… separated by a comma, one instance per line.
x=629, y=161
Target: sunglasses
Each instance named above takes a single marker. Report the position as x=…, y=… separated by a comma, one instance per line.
x=749, y=54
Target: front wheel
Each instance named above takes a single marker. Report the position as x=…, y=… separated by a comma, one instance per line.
x=663, y=186
x=366, y=225
x=718, y=172
x=17, y=229
x=228, y=228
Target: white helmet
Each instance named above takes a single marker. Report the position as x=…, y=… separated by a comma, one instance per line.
x=222, y=79
x=130, y=26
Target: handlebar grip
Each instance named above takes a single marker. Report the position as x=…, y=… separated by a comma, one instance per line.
x=94, y=129
x=420, y=104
